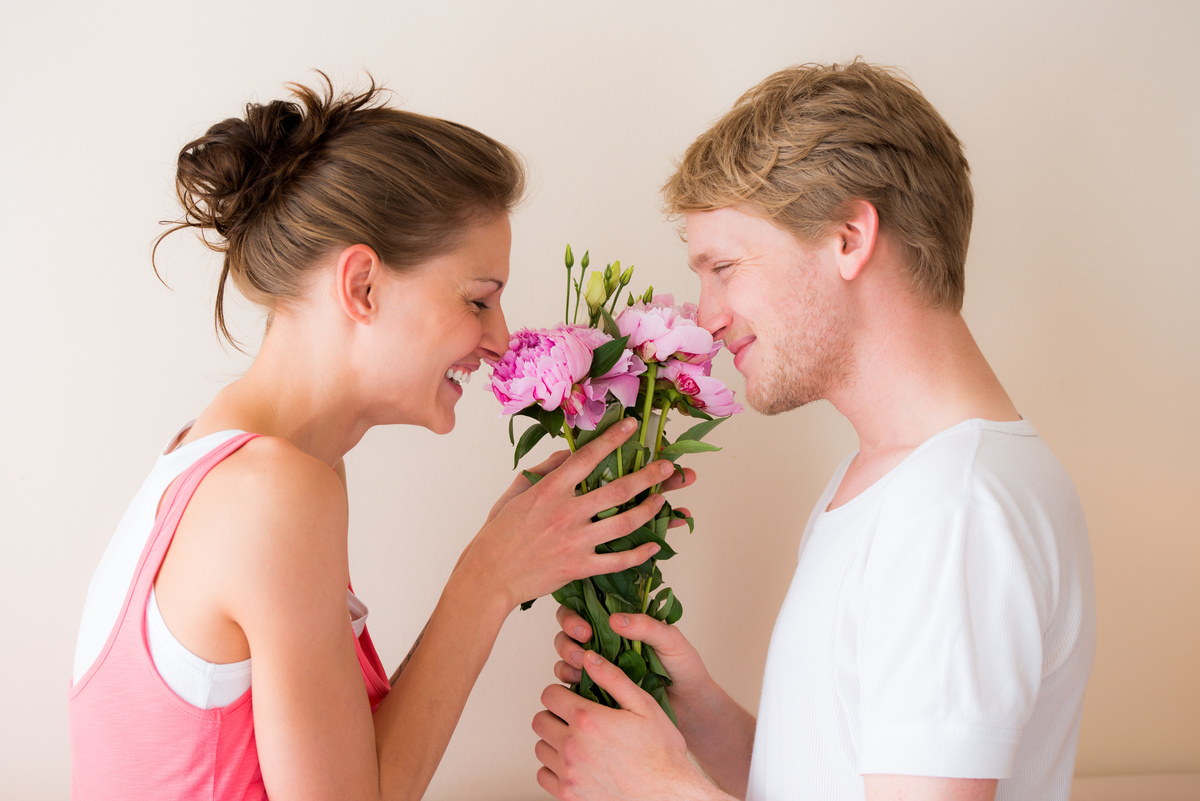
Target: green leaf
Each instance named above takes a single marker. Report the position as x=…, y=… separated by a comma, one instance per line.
x=700, y=430
x=615, y=604
x=652, y=661
x=572, y=590
x=675, y=612
x=690, y=410
x=533, y=478
x=663, y=602
x=532, y=436
x=587, y=687
x=610, y=325
x=691, y=522
x=512, y=419
x=660, y=694
x=679, y=448
x=633, y=665
x=551, y=421
x=605, y=356
x=621, y=585
x=607, y=640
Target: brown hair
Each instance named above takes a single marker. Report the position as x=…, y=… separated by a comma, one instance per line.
x=798, y=147
x=293, y=181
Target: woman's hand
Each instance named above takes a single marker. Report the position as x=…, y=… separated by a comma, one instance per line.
x=541, y=537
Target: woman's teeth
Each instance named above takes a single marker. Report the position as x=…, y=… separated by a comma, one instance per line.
x=460, y=377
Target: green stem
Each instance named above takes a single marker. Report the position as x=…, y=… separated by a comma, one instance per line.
x=651, y=374
x=658, y=437
x=613, y=309
x=571, y=444
x=621, y=449
x=567, y=305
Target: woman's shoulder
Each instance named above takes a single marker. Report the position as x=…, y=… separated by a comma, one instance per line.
x=268, y=495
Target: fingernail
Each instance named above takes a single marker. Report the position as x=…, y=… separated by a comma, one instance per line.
x=577, y=658
x=621, y=620
x=628, y=424
x=578, y=633
x=666, y=468
x=593, y=658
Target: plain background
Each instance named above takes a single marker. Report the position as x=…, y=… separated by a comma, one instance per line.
x=1080, y=121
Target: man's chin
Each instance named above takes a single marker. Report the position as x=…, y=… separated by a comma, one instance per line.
x=772, y=403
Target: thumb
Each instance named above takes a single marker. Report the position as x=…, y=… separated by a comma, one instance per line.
x=613, y=680
x=660, y=636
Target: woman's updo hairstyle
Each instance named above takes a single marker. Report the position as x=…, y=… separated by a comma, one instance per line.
x=293, y=182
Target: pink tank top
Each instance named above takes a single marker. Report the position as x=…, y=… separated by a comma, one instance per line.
x=131, y=736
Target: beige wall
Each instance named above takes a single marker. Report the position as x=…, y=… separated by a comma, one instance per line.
x=1082, y=127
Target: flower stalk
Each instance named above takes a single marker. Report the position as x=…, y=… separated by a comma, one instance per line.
x=575, y=381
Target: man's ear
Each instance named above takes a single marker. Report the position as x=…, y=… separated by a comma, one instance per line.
x=855, y=238
x=358, y=269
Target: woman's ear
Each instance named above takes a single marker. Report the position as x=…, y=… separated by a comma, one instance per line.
x=358, y=270
x=856, y=238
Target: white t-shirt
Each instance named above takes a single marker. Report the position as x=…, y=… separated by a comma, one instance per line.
x=942, y=623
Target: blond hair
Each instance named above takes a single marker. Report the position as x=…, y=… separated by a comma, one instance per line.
x=291, y=182
x=801, y=145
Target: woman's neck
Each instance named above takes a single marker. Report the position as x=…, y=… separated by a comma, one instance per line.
x=300, y=387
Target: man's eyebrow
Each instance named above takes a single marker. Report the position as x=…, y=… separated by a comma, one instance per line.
x=702, y=259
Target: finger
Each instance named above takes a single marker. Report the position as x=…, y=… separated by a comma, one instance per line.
x=549, y=757
x=552, y=463
x=613, y=680
x=662, y=637
x=549, y=727
x=581, y=463
x=549, y=782
x=573, y=624
x=568, y=650
x=616, y=562
x=567, y=674
x=615, y=493
x=563, y=703
x=627, y=522
x=682, y=477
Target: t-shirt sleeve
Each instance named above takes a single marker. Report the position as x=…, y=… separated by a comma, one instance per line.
x=950, y=643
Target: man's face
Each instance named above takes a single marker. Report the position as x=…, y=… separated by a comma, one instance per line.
x=775, y=302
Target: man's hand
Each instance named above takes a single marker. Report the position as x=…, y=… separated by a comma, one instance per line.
x=595, y=753
x=688, y=675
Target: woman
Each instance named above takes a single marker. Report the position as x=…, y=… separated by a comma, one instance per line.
x=378, y=241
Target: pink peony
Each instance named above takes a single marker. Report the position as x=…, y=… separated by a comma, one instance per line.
x=541, y=366
x=708, y=394
x=658, y=331
x=550, y=368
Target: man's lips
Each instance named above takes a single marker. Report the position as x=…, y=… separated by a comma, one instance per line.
x=738, y=348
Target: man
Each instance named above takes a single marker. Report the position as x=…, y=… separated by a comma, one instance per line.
x=940, y=627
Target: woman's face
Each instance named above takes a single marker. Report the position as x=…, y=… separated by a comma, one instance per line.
x=439, y=321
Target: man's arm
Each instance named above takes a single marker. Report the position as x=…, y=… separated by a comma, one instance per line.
x=926, y=788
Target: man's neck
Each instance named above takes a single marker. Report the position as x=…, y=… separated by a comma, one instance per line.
x=917, y=371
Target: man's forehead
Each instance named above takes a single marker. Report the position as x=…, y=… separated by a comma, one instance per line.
x=709, y=235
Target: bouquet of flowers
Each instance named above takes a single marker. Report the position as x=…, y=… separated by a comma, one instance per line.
x=575, y=380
